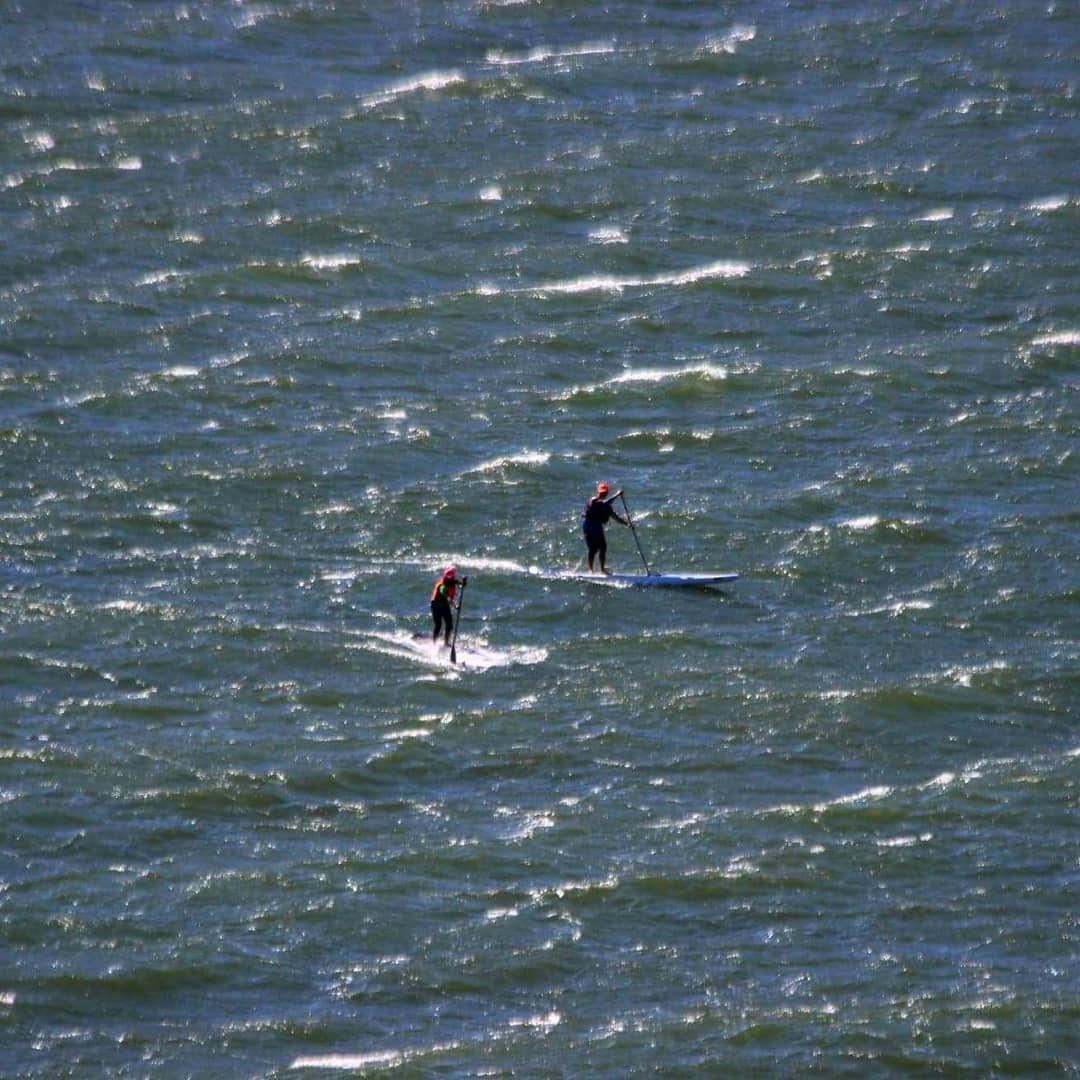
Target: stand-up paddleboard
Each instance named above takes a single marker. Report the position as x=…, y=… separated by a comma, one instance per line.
x=654, y=580
x=650, y=577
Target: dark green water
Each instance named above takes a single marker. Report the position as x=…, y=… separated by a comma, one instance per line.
x=300, y=301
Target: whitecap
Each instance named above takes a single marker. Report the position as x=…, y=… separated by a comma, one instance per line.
x=1045, y=206
x=351, y=1061
x=963, y=675
x=329, y=262
x=943, y=214
x=40, y=140
x=491, y=194
x=860, y=524
x=896, y=608
x=611, y=283
x=608, y=234
x=543, y=53
x=729, y=42
x=942, y=780
x=529, y=825
x=870, y=794
x=432, y=80
x=1063, y=337
x=159, y=277
x=542, y=1022
x=526, y=457
x=408, y=733
x=252, y=15
x=904, y=841
x=655, y=375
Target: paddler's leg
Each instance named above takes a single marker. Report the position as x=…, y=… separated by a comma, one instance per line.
x=595, y=542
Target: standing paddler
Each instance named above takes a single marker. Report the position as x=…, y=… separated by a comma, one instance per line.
x=442, y=603
x=598, y=511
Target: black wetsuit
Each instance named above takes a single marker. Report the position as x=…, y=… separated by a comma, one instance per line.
x=441, y=608
x=596, y=515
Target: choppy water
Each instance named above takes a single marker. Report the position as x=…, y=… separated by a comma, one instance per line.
x=300, y=300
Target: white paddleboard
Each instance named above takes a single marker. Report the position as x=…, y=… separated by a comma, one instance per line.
x=649, y=580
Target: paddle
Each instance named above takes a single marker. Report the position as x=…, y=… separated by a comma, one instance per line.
x=457, y=621
x=630, y=522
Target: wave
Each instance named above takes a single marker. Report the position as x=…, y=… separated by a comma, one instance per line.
x=1046, y=206
x=649, y=377
x=430, y=81
x=658, y=375
x=473, y=654
x=543, y=53
x=943, y=214
x=611, y=283
x=729, y=42
x=608, y=234
x=329, y=262
x=1061, y=337
x=540, y=1023
x=526, y=457
x=437, y=561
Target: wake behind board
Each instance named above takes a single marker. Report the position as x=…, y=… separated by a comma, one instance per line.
x=646, y=580
x=471, y=656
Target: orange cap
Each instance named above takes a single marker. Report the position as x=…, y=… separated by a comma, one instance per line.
x=601, y=489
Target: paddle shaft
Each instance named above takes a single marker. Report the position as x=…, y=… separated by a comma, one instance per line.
x=457, y=623
x=630, y=522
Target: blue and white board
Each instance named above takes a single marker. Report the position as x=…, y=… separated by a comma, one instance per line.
x=647, y=580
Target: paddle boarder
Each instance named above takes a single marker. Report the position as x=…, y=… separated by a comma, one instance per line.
x=598, y=511
x=442, y=603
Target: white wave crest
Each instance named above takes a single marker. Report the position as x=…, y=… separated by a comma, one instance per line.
x=329, y=262
x=526, y=457
x=608, y=234
x=860, y=524
x=543, y=53
x=610, y=283
x=1063, y=337
x=656, y=375
x=729, y=42
x=1047, y=206
x=432, y=80
x=857, y=798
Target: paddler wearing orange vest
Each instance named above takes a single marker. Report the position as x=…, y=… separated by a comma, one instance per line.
x=442, y=603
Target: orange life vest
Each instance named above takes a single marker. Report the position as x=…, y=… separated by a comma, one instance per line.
x=450, y=591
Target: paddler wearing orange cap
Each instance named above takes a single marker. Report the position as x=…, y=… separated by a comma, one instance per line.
x=598, y=511
x=442, y=601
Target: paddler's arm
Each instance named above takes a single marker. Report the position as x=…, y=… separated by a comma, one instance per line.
x=615, y=513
